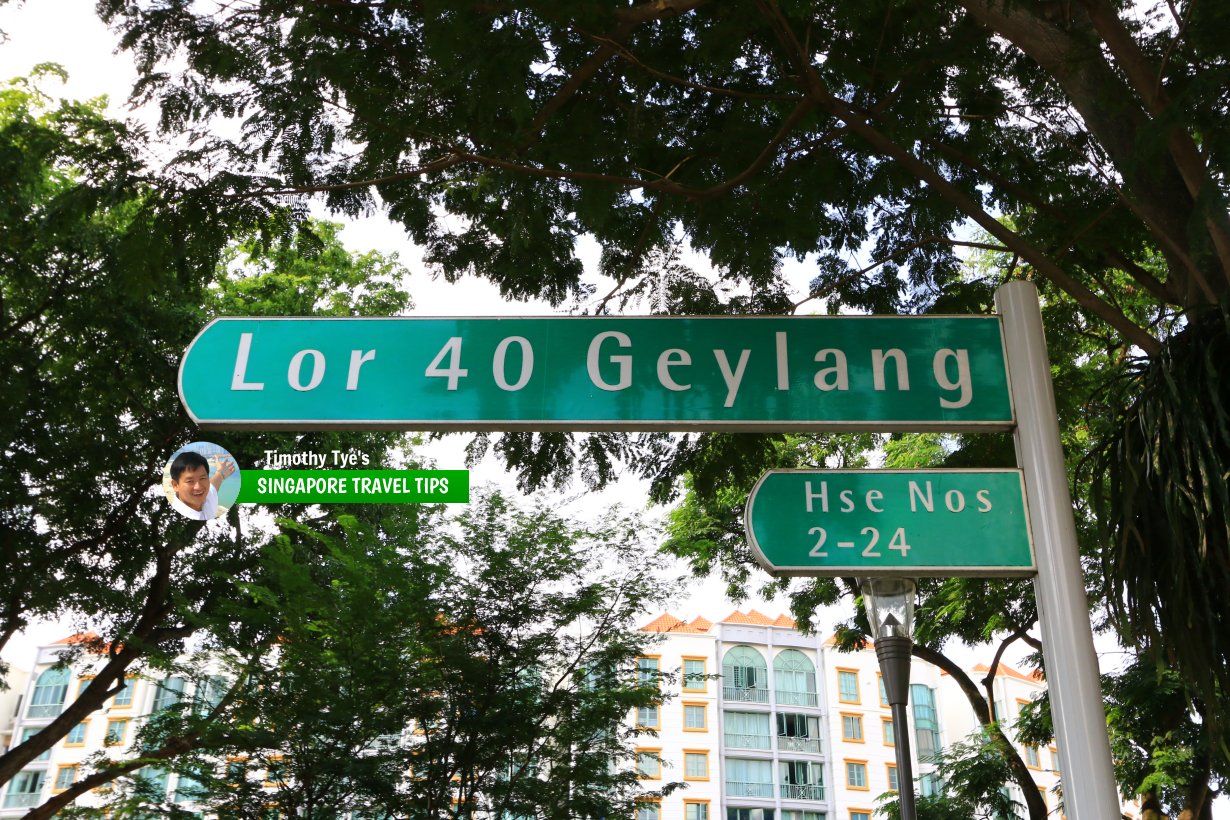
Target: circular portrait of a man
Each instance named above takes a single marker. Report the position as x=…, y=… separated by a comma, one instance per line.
x=201, y=481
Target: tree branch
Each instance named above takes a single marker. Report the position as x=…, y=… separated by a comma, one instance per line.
x=1020, y=772
x=857, y=123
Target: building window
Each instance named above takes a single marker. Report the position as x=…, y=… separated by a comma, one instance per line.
x=1032, y=759
x=749, y=778
x=695, y=717
x=646, y=810
x=926, y=723
x=49, y=693
x=154, y=781
x=856, y=774
x=29, y=732
x=123, y=697
x=695, y=765
x=695, y=810
x=275, y=773
x=749, y=814
x=647, y=717
x=747, y=730
x=795, y=679
x=169, y=692
x=803, y=815
x=798, y=733
x=648, y=764
x=859, y=814
x=647, y=672
x=25, y=791
x=76, y=735
x=929, y=786
x=883, y=691
x=847, y=685
x=188, y=789
x=694, y=675
x=889, y=732
x=65, y=777
x=117, y=731
x=852, y=727
x=745, y=676
x=802, y=780
x=1042, y=792
x=892, y=777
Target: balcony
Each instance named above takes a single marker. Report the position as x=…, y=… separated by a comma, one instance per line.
x=736, y=788
x=22, y=800
x=798, y=744
x=738, y=741
x=797, y=698
x=744, y=694
x=802, y=791
x=44, y=710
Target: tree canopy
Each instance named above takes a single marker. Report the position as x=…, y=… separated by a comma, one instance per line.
x=105, y=277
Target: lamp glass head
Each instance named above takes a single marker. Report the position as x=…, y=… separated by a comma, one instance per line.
x=890, y=606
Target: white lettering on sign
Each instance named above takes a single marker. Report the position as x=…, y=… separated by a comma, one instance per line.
x=238, y=380
x=732, y=379
x=962, y=383
x=783, y=372
x=527, y=363
x=294, y=373
x=357, y=358
x=624, y=363
x=672, y=358
x=609, y=364
x=836, y=377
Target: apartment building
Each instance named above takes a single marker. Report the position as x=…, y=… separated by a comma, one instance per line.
x=766, y=723
x=110, y=729
x=1013, y=690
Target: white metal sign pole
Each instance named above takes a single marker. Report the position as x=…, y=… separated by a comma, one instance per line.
x=1089, y=788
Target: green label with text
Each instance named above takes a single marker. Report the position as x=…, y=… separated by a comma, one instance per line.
x=600, y=373
x=909, y=523
x=355, y=487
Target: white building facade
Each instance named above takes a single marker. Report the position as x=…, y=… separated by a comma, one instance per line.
x=766, y=723
x=109, y=730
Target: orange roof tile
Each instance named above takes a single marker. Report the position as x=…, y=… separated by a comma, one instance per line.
x=752, y=617
x=663, y=623
x=1007, y=671
x=88, y=640
x=76, y=637
x=832, y=641
x=701, y=624
x=785, y=620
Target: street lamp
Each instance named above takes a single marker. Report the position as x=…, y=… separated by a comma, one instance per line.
x=890, y=611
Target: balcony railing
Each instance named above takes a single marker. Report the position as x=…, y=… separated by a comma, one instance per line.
x=745, y=694
x=798, y=744
x=42, y=710
x=737, y=788
x=797, y=698
x=735, y=740
x=802, y=791
x=22, y=800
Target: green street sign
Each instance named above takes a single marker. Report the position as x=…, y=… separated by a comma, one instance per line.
x=937, y=523
x=601, y=373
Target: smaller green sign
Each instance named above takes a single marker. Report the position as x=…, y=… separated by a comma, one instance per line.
x=355, y=487
x=910, y=523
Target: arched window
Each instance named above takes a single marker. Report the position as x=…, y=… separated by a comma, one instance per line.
x=49, y=693
x=794, y=678
x=745, y=675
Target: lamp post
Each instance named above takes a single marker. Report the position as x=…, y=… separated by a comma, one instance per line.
x=890, y=611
